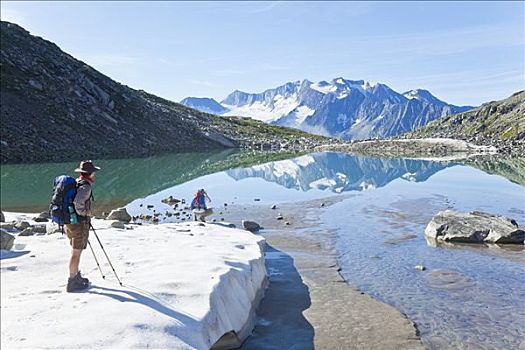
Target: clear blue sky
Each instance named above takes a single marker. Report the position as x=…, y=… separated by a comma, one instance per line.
x=463, y=52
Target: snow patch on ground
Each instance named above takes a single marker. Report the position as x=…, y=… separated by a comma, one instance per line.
x=185, y=286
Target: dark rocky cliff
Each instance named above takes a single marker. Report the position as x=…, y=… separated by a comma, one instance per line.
x=55, y=107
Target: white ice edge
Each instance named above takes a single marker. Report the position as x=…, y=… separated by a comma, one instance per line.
x=185, y=286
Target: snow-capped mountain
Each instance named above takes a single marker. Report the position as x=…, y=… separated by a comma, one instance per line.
x=350, y=109
x=339, y=172
x=204, y=104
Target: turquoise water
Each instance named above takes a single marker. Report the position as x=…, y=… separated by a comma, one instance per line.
x=469, y=297
x=27, y=187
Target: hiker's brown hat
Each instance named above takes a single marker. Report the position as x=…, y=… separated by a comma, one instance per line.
x=86, y=166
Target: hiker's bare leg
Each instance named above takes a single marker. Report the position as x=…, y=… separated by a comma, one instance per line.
x=74, y=262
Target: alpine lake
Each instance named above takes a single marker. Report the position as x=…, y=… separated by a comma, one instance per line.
x=468, y=297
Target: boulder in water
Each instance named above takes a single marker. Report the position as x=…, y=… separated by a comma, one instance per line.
x=251, y=226
x=2, y=217
x=119, y=214
x=474, y=227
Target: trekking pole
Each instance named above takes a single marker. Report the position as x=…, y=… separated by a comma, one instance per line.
x=96, y=260
x=107, y=257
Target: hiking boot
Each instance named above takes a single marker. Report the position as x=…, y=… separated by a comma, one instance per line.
x=83, y=279
x=75, y=284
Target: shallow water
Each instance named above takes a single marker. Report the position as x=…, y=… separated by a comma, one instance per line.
x=469, y=296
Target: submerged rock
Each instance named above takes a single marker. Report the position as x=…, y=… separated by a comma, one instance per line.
x=474, y=227
x=251, y=226
x=400, y=239
x=6, y=240
x=448, y=280
x=119, y=214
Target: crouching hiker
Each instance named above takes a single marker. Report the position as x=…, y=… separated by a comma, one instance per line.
x=78, y=233
x=198, y=205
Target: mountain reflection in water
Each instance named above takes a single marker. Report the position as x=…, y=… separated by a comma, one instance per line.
x=340, y=172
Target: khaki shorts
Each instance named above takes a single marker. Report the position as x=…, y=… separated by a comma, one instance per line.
x=78, y=234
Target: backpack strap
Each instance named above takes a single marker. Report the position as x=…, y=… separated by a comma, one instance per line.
x=86, y=182
x=83, y=182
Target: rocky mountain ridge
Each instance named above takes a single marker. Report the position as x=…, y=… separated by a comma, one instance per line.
x=498, y=123
x=55, y=107
x=348, y=109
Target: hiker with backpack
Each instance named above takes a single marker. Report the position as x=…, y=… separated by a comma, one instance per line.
x=198, y=206
x=71, y=209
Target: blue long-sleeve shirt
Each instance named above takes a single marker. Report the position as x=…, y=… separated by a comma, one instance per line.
x=199, y=202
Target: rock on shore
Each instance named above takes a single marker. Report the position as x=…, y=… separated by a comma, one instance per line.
x=251, y=226
x=119, y=214
x=7, y=240
x=474, y=227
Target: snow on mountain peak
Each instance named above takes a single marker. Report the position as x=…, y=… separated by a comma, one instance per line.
x=342, y=86
x=340, y=107
x=323, y=87
x=411, y=94
x=422, y=95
